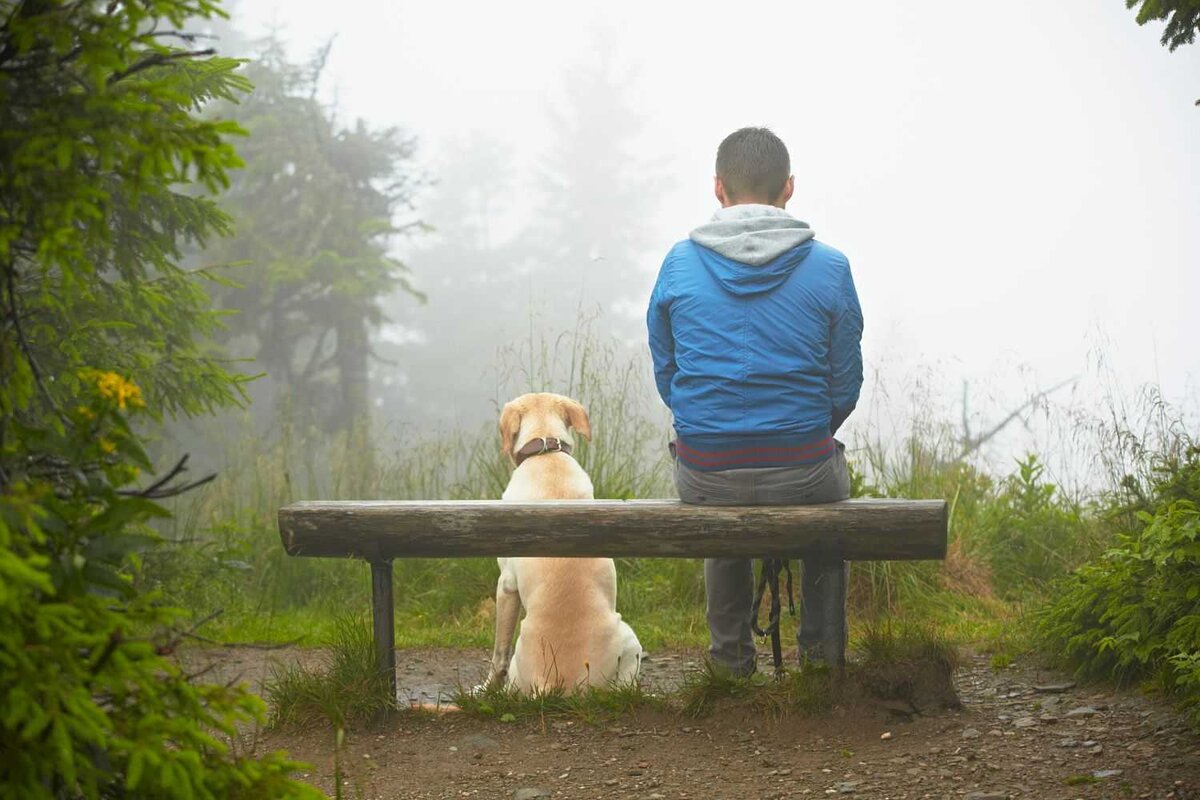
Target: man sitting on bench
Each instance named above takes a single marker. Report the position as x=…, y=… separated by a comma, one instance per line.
x=755, y=332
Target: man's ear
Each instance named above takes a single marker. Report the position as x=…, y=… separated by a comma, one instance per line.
x=577, y=418
x=786, y=194
x=719, y=192
x=510, y=426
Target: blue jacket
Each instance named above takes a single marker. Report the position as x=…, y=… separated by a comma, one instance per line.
x=759, y=362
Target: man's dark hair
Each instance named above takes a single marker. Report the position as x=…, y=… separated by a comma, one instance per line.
x=753, y=162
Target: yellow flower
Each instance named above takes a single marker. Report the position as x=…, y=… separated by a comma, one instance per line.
x=106, y=445
x=113, y=387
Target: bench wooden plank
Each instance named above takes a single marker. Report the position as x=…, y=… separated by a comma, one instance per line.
x=856, y=530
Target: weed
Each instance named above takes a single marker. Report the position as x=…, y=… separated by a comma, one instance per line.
x=591, y=705
x=906, y=661
x=808, y=689
x=348, y=689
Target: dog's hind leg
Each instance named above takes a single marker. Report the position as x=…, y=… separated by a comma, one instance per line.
x=508, y=609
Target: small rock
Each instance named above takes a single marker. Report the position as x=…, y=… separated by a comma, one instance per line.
x=885, y=735
x=1097, y=750
x=1082, y=711
x=847, y=787
x=1055, y=688
x=611, y=782
x=530, y=793
x=971, y=733
x=1107, y=773
x=477, y=741
x=986, y=796
x=1068, y=743
x=1025, y=722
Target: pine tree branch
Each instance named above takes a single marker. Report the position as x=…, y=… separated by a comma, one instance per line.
x=26, y=350
x=159, y=490
x=157, y=60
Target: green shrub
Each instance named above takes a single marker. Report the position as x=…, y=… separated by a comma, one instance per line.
x=91, y=704
x=1030, y=533
x=1134, y=614
x=105, y=172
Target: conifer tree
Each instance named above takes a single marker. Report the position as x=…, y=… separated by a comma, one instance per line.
x=106, y=172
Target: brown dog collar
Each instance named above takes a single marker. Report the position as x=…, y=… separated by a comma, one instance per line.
x=536, y=447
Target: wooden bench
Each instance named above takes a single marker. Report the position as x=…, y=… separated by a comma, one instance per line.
x=379, y=532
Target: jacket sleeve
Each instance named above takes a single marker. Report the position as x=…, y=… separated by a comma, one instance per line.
x=662, y=341
x=845, y=353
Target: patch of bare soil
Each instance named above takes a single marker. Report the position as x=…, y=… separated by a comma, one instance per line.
x=1020, y=733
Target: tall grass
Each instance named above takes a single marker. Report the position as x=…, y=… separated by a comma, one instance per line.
x=228, y=554
x=1010, y=534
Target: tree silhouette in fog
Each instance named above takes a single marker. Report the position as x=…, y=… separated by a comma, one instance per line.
x=522, y=255
x=315, y=213
x=597, y=189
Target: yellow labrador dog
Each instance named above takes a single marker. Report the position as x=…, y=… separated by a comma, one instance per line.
x=572, y=635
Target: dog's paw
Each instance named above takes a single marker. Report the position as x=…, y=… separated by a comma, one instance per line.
x=494, y=680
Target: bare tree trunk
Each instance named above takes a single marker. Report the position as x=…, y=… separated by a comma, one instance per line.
x=353, y=419
x=353, y=353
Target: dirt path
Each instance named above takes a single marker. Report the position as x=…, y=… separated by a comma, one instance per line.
x=1009, y=740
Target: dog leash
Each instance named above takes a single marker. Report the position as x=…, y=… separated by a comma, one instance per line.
x=769, y=579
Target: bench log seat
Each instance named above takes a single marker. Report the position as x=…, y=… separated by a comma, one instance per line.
x=381, y=531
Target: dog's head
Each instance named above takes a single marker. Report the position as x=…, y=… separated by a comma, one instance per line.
x=540, y=414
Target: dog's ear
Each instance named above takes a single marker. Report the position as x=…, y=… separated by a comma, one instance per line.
x=577, y=418
x=510, y=426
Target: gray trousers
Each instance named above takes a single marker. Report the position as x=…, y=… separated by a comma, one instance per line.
x=729, y=582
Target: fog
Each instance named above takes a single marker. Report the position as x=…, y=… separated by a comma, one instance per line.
x=1015, y=184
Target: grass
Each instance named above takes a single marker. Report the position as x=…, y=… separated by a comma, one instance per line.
x=348, y=690
x=1011, y=534
x=890, y=661
x=592, y=705
x=808, y=689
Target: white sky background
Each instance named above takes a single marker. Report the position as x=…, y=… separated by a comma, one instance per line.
x=1017, y=184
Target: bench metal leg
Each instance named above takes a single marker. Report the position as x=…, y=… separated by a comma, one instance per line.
x=824, y=630
x=383, y=613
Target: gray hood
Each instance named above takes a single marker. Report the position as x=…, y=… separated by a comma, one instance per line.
x=752, y=234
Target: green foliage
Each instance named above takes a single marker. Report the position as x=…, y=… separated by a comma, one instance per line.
x=100, y=145
x=102, y=161
x=1134, y=614
x=1182, y=18
x=1030, y=533
x=90, y=707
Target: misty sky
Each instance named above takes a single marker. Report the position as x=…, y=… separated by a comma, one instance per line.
x=1017, y=185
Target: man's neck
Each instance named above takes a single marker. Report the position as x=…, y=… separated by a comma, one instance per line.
x=753, y=202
